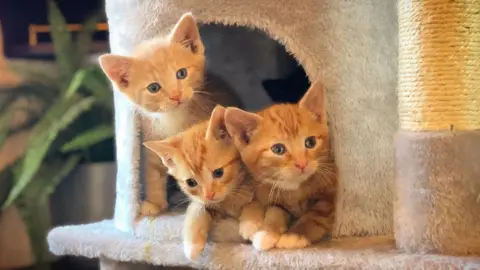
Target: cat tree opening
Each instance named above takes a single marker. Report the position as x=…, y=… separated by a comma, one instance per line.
x=256, y=66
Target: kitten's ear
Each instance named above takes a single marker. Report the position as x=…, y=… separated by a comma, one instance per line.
x=165, y=149
x=216, y=126
x=117, y=68
x=241, y=124
x=186, y=33
x=314, y=100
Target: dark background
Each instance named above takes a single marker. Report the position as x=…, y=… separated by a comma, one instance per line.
x=17, y=15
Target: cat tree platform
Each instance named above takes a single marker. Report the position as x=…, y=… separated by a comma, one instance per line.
x=421, y=187
x=102, y=240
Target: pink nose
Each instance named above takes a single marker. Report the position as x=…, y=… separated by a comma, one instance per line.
x=210, y=195
x=176, y=96
x=301, y=166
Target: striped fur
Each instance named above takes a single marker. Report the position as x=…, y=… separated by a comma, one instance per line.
x=302, y=198
x=194, y=155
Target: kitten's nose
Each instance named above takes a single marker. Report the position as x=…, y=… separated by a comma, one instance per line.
x=301, y=165
x=209, y=195
x=176, y=95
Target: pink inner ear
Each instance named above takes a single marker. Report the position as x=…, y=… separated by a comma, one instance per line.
x=116, y=68
x=120, y=73
x=123, y=80
x=169, y=162
x=222, y=132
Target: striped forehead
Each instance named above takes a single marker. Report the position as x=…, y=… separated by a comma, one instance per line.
x=194, y=149
x=285, y=119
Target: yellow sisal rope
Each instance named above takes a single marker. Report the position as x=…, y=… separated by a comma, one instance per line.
x=439, y=65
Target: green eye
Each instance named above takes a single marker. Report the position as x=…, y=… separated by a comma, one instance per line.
x=310, y=142
x=191, y=182
x=154, y=87
x=278, y=149
x=217, y=173
x=182, y=73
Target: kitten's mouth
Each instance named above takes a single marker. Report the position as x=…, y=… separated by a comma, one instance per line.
x=214, y=201
x=179, y=103
x=292, y=182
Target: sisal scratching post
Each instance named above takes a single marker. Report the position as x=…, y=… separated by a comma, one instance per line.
x=438, y=146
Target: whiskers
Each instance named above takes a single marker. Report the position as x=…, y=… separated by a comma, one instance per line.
x=201, y=105
x=326, y=170
x=241, y=193
x=275, y=182
x=203, y=93
x=182, y=202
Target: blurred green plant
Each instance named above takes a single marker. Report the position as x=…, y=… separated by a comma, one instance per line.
x=76, y=115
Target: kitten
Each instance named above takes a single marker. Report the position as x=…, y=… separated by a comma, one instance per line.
x=209, y=171
x=164, y=78
x=286, y=149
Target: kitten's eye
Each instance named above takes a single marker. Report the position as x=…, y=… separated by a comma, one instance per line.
x=310, y=142
x=191, y=182
x=182, y=73
x=278, y=149
x=154, y=87
x=217, y=173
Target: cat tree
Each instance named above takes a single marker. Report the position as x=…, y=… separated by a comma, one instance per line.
x=352, y=47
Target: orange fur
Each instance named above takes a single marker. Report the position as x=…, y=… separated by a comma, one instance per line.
x=299, y=183
x=178, y=102
x=157, y=61
x=195, y=155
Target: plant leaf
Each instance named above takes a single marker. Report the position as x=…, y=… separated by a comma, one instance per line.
x=34, y=205
x=58, y=117
x=42, y=92
x=76, y=83
x=85, y=36
x=99, y=86
x=65, y=55
x=48, y=177
x=64, y=171
x=5, y=120
x=38, y=220
x=89, y=138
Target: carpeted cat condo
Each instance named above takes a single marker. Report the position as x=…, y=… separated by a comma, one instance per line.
x=351, y=46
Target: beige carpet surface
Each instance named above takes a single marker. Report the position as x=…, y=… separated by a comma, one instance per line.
x=103, y=240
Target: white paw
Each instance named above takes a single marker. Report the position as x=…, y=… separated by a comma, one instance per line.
x=292, y=240
x=264, y=240
x=248, y=229
x=192, y=251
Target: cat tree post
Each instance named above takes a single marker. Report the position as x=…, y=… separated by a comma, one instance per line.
x=438, y=145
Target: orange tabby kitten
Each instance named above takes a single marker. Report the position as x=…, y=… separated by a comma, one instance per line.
x=209, y=170
x=164, y=78
x=286, y=149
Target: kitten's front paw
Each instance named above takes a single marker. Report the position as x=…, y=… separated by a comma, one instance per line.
x=150, y=209
x=265, y=240
x=248, y=228
x=292, y=241
x=193, y=250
